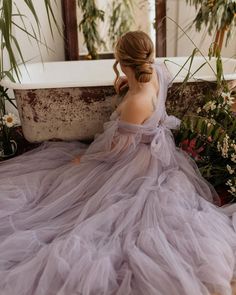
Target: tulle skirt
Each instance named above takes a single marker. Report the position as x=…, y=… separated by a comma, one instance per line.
x=129, y=227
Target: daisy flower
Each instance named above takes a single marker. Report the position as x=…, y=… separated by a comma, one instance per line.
x=227, y=98
x=231, y=171
x=9, y=120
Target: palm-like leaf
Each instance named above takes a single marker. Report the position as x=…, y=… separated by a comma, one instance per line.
x=10, y=20
x=10, y=48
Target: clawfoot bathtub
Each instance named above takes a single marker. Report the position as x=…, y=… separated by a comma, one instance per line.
x=72, y=100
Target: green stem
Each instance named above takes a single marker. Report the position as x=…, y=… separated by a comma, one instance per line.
x=6, y=143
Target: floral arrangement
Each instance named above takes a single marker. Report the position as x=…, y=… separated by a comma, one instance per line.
x=209, y=138
x=7, y=121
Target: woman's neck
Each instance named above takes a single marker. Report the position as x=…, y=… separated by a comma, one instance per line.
x=134, y=85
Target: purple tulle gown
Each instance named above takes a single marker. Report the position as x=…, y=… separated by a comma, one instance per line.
x=133, y=218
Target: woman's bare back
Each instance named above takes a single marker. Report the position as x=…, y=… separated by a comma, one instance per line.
x=138, y=106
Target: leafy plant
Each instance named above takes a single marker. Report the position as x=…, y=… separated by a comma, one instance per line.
x=91, y=16
x=216, y=15
x=209, y=135
x=10, y=19
x=6, y=122
x=120, y=18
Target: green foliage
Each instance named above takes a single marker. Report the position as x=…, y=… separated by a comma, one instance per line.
x=209, y=135
x=91, y=16
x=120, y=18
x=215, y=15
x=9, y=20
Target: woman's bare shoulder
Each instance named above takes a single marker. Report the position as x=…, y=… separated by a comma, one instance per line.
x=135, y=110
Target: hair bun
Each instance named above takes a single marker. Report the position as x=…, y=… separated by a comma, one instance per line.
x=143, y=72
x=135, y=49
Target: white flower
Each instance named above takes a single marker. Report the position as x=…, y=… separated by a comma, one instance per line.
x=233, y=145
x=212, y=121
x=9, y=120
x=233, y=158
x=231, y=171
x=199, y=110
x=210, y=105
x=225, y=147
x=213, y=106
x=227, y=98
x=232, y=186
x=232, y=190
x=229, y=182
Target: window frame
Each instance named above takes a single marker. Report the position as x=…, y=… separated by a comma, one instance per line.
x=71, y=42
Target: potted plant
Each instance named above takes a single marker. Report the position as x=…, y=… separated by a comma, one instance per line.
x=7, y=121
x=10, y=18
x=209, y=137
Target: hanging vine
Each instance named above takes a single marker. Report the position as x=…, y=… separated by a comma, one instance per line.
x=216, y=15
x=120, y=18
x=91, y=16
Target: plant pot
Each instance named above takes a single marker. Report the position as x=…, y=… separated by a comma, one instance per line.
x=13, y=149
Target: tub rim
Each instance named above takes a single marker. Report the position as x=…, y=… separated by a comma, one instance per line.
x=7, y=83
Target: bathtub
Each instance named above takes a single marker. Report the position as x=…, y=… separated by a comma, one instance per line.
x=72, y=100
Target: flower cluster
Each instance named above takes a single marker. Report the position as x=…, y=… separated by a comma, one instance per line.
x=230, y=151
x=189, y=145
x=224, y=146
x=224, y=102
x=209, y=138
x=232, y=186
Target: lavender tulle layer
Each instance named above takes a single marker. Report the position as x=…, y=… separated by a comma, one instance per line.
x=133, y=226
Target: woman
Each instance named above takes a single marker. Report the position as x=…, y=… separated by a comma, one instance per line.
x=134, y=217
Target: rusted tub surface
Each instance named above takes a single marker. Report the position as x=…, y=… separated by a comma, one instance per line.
x=72, y=100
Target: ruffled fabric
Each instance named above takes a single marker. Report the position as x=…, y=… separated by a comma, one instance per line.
x=134, y=217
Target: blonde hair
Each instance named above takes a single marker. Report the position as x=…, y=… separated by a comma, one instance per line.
x=135, y=49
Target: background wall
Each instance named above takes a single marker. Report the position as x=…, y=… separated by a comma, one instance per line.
x=56, y=45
